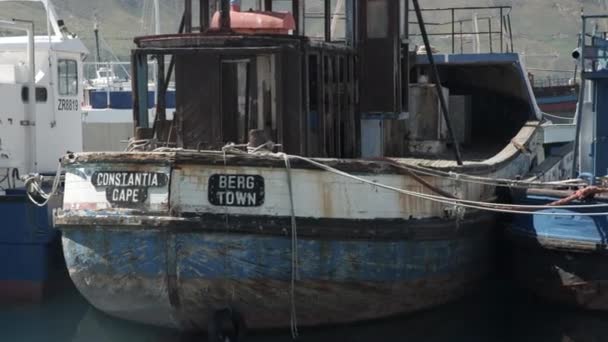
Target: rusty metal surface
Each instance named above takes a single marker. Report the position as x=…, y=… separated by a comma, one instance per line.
x=223, y=40
x=376, y=229
x=265, y=303
x=177, y=280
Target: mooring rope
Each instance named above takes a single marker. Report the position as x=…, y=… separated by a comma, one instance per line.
x=477, y=205
x=294, y=251
x=266, y=149
x=33, y=184
x=465, y=178
x=558, y=116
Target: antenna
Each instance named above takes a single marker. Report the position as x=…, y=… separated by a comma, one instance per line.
x=96, y=30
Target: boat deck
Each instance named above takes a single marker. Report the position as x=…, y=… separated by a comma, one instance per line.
x=480, y=154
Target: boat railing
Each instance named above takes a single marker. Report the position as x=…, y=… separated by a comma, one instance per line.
x=549, y=81
x=468, y=29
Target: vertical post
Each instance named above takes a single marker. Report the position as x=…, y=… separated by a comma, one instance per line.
x=351, y=17
x=268, y=5
x=156, y=17
x=501, y=31
x=476, y=40
x=453, y=33
x=96, y=30
x=327, y=21
x=204, y=15
x=461, y=39
x=510, y=31
x=161, y=106
x=437, y=81
x=490, y=33
x=140, y=90
x=295, y=10
x=109, y=85
x=188, y=16
x=225, y=15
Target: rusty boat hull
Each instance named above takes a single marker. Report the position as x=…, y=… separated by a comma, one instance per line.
x=173, y=256
x=177, y=276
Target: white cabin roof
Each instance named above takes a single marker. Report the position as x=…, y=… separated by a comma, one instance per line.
x=19, y=43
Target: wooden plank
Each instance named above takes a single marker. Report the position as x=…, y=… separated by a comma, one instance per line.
x=198, y=100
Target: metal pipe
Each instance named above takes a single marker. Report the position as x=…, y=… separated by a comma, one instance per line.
x=188, y=16
x=510, y=32
x=435, y=71
x=96, y=31
x=203, y=15
x=453, y=33
x=295, y=10
x=490, y=34
x=465, y=8
x=268, y=5
x=327, y=20
x=161, y=106
x=156, y=17
x=580, y=104
x=461, y=39
x=225, y=15
x=501, y=32
x=108, y=99
x=30, y=114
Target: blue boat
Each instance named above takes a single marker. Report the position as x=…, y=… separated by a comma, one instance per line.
x=30, y=250
x=562, y=257
x=190, y=231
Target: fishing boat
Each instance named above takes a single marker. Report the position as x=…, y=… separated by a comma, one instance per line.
x=302, y=181
x=559, y=251
x=40, y=120
x=557, y=97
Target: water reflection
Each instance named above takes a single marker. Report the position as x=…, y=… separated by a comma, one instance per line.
x=497, y=313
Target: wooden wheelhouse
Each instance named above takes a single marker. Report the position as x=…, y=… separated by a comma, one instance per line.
x=306, y=93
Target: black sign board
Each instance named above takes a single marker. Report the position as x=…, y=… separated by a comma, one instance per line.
x=128, y=187
x=236, y=190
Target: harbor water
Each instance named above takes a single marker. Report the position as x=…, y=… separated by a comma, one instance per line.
x=498, y=312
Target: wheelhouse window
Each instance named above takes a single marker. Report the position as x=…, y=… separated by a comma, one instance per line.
x=68, y=77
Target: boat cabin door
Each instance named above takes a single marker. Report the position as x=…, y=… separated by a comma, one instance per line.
x=221, y=97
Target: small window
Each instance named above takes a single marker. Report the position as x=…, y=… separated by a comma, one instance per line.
x=25, y=94
x=68, y=77
x=41, y=94
x=377, y=19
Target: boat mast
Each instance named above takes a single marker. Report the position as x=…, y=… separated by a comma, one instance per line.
x=156, y=17
x=96, y=30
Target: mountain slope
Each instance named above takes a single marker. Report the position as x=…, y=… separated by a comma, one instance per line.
x=544, y=31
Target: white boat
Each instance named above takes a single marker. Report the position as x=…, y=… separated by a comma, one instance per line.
x=40, y=119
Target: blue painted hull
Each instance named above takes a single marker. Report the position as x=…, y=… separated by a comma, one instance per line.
x=31, y=262
x=562, y=259
x=178, y=278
